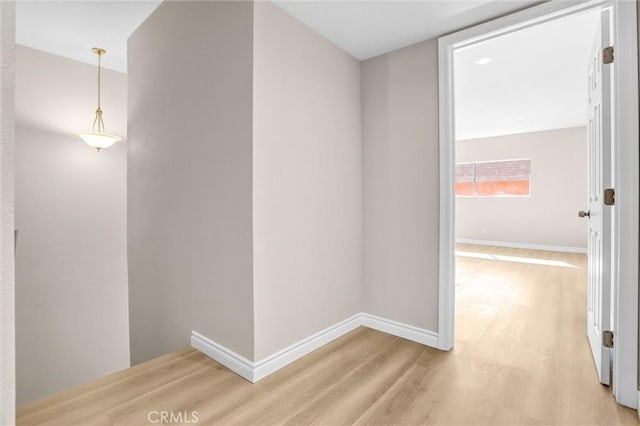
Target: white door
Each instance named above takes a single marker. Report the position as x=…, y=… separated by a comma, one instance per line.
x=599, y=215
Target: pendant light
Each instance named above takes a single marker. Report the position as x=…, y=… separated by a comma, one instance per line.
x=97, y=137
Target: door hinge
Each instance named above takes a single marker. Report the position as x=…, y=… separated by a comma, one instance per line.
x=607, y=55
x=607, y=338
x=609, y=197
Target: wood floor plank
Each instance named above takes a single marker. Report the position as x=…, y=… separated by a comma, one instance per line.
x=98, y=400
x=521, y=358
x=300, y=383
x=405, y=401
x=359, y=395
x=203, y=384
x=26, y=410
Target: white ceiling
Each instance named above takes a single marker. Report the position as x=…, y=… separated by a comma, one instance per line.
x=536, y=80
x=363, y=28
x=72, y=28
x=366, y=28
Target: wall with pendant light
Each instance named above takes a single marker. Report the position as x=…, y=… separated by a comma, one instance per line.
x=71, y=265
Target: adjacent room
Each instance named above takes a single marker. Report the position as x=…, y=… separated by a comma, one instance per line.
x=522, y=167
x=521, y=137
x=234, y=212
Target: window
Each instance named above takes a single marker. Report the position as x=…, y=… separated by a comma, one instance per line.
x=464, y=179
x=508, y=178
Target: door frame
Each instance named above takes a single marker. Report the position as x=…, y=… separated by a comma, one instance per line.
x=626, y=175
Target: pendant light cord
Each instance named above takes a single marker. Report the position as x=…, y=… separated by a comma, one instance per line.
x=99, y=78
x=98, y=120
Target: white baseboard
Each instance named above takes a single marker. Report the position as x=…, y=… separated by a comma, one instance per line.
x=223, y=355
x=563, y=249
x=254, y=371
x=286, y=356
x=399, y=329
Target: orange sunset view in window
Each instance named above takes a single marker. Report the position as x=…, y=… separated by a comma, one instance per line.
x=493, y=178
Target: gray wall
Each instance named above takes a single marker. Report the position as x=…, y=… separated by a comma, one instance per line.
x=71, y=265
x=549, y=216
x=400, y=180
x=189, y=187
x=307, y=182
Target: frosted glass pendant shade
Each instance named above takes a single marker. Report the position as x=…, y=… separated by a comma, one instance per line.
x=97, y=137
x=99, y=140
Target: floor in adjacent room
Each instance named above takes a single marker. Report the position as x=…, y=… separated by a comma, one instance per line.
x=521, y=357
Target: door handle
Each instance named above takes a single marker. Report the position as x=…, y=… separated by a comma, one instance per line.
x=582, y=213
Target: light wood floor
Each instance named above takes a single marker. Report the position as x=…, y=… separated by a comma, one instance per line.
x=521, y=357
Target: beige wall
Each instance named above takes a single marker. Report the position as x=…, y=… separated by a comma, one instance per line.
x=189, y=187
x=307, y=182
x=400, y=180
x=195, y=261
x=638, y=23
x=558, y=190
x=71, y=265
x=7, y=287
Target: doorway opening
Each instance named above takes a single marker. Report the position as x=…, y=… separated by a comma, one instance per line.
x=520, y=178
x=508, y=139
